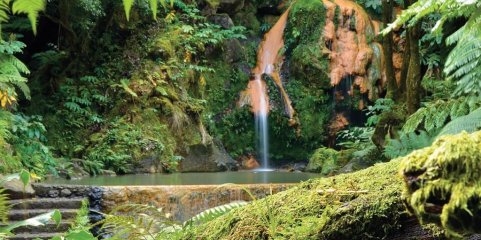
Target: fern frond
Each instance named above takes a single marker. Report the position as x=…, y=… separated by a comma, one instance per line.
x=23, y=88
x=407, y=143
x=31, y=8
x=469, y=123
x=436, y=114
x=213, y=213
x=4, y=206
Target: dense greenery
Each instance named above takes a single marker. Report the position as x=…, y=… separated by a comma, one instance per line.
x=90, y=87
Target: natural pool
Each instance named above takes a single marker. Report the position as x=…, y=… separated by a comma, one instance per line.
x=214, y=178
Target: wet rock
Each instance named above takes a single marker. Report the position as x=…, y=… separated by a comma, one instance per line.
x=16, y=189
x=211, y=157
x=222, y=20
x=233, y=51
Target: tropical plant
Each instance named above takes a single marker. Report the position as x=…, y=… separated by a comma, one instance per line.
x=355, y=137
x=469, y=123
x=31, y=8
x=407, y=143
x=374, y=112
x=463, y=63
x=11, y=70
x=436, y=114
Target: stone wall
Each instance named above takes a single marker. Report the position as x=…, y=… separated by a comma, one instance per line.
x=185, y=201
x=181, y=201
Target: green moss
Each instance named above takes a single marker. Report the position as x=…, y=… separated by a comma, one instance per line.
x=365, y=204
x=324, y=161
x=443, y=183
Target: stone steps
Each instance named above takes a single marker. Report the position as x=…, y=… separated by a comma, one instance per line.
x=51, y=227
x=47, y=203
x=22, y=214
x=31, y=207
x=30, y=236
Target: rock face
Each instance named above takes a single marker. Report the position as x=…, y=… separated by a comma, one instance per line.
x=207, y=158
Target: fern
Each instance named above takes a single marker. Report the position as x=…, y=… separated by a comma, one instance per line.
x=30, y=7
x=464, y=61
x=136, y=221
x=469, y=123
x=436, y=114
x=152, y=3
x=407, y=143
x=4, y=206
x=213, y=213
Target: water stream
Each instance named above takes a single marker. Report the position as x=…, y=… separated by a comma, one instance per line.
x=267, y=59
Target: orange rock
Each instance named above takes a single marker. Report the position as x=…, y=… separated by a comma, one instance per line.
x=250, y=163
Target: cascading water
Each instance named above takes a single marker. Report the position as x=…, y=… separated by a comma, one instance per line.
x=267, y=58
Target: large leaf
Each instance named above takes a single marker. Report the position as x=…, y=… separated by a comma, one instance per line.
x=39, y=220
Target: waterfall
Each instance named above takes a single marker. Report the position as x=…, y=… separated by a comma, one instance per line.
x=267, y=61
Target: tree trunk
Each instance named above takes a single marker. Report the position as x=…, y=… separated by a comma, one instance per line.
x=413, y=78
x=387, y=44
x=406, y=58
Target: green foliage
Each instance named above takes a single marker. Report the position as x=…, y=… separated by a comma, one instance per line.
x=4, y=206
x=355, y=137
x=29, y=141
x=11, y=71
x=462, y=63
x=407, y=143
x=436, y=114
x=374, y=112
x=469, y=123
x=31, y=8
x=213, y=213
x=141, y=221
x=324, y=161
x=152, y=3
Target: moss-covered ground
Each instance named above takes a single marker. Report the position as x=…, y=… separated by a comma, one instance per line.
x=362, y=205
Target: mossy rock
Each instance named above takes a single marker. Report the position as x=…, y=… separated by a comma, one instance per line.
x=362, y=205
x=443, y=183
x=324, y=161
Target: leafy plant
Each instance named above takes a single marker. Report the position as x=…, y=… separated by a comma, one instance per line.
x=31, y=8
x=373, y=112
x=469, y=123
x=407, y=143
x=11, y=70
x=355, y=137
x=463, y=63
x=436, y=114
x=213, y=213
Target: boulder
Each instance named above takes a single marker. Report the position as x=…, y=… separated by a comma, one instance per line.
x=230, y=6
x=222, y=20
x=210, y=157
x=16, y=190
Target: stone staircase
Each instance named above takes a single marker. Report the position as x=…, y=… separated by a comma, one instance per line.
x=26, y=208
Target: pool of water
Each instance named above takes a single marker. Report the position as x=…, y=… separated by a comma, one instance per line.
x=241, y=177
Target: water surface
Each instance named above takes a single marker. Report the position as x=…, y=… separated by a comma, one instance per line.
x=241, y=177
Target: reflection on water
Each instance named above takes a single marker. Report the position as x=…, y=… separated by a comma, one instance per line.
x=241, y=177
